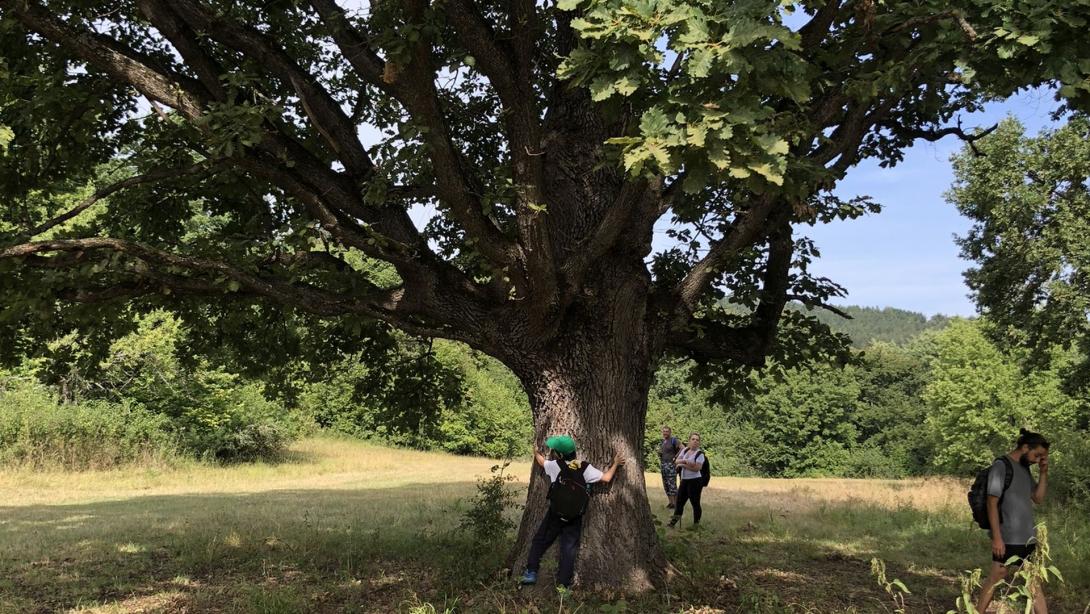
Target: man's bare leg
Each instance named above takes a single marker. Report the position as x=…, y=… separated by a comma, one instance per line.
x=1039, y=605
x=998, y=572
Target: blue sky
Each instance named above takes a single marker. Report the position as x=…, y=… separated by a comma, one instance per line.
x=905, y=256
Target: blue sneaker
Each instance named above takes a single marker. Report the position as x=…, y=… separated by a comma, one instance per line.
x=528, y=577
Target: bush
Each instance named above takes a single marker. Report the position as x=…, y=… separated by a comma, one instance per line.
x=213, y=414
x=871, y=461
x=37, y=431
x=218, y=417
x=1069, y=461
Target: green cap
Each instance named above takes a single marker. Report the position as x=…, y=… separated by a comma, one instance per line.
x=561, y=443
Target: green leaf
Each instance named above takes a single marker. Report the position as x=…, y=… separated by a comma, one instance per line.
x=626, y=86
x=661, y=155
x=720, y=157
x=696, y=135
x=601, y=88
x=780, y=147
x=7, y=135
x=568, y=5
x=233, y=286
x=1028, y=40
x=654, y=122
x=768, y=172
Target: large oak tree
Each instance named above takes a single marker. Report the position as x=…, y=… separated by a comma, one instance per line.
x=256, y=153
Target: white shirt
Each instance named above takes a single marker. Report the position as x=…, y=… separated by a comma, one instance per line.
x=591, y=474
x=687, y=455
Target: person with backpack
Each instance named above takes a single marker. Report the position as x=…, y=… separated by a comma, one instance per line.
x=1008, y=492
x=668, y=451
x=694, y=477
x=569, y=494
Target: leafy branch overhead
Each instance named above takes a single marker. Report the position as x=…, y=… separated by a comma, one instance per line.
x=264, y=152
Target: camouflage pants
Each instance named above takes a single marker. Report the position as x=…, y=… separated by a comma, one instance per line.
x=669, y=479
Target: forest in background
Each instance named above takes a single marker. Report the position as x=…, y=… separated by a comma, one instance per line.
x=921, y=396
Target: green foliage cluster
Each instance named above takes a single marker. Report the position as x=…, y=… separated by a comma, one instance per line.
x=141, y=399
x=1029, y=200
x=945, y=403
x=451, y=399
x=40, y=432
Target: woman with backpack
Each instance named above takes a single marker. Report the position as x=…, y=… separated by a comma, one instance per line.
x=689, y=461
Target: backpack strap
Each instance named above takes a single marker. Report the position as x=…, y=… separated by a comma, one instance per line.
x=1008, y=477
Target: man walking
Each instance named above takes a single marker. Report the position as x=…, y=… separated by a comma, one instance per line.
x=1010, y=511
x=668, y=450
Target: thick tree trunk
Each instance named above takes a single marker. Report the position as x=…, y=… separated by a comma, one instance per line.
x=592, y=384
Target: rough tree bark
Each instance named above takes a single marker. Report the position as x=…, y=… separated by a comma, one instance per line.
x=592, y=382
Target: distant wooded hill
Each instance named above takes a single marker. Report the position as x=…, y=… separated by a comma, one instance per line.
x=870, y=324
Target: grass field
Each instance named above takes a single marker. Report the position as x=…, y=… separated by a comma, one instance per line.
x=348, y=527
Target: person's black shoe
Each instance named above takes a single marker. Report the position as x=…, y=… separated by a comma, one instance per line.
x=673, y=521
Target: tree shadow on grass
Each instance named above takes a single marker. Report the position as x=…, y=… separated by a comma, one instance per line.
x=390, y=549
x=306, y=550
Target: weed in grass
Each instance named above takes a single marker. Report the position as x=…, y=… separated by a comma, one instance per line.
x=893, y=587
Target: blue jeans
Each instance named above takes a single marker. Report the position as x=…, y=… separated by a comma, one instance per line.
x=569, y=533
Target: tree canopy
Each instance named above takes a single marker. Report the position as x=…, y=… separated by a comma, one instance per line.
x=1030, y=204
x=546, y=136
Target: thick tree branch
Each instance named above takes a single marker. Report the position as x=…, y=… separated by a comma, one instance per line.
x=186, y=41
x=750, y=344
x=352, y=43
x=414, y=86
x=151, y=177
x=389, y=304
x=815, y=30
x=748, y=227
x=508, y=68
x=810, y=301
x=957, y=16
x=325, y=114
x=156, y=82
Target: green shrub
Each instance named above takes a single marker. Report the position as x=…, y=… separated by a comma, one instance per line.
x=212, y=414
x=216, y=416
x=1069, y=469
x=37, y=431
x=871, y=461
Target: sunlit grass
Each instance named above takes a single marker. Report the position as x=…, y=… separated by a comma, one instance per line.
x=344, y=526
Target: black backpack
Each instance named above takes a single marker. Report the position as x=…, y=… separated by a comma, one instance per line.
x=705, y=470
x=570, y=493
x=978, y=493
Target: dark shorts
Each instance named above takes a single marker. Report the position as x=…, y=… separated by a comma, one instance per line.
x=1022, y=552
